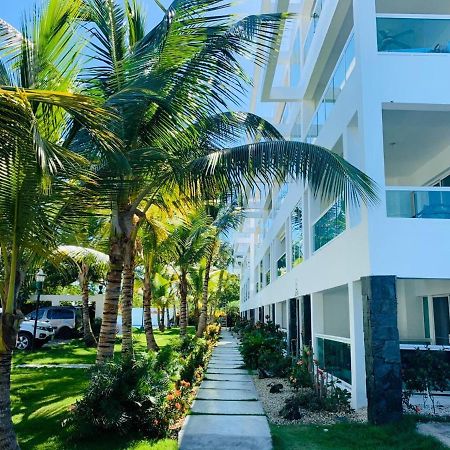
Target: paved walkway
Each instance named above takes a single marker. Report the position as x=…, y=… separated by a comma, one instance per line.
x=226, y=414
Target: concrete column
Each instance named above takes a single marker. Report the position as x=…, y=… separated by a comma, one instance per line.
x=382, y=345
x=358, y=366
x=316, y=316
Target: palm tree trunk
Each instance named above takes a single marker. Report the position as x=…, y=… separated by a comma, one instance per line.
x=148, y=326
x=168, y=317
x=127, y=299
x=183, y=303
x=203, y=316
x=88, y=335
x=162, y=325
x=107, y=338
x=8, y=440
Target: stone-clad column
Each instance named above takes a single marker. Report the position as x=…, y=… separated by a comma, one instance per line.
x=382, y=348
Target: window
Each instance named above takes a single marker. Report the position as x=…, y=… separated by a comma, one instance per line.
x=267, y=267
x=60, y=314
x=32, y=315
x=297, y=235
x=281, y=262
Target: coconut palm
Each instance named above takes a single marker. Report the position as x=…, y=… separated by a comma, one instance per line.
x=173, y=87
x=40, y=178
x=89, y=262
x=187, y=244
x=226, y=218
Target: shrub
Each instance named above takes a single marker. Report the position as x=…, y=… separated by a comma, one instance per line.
x=197, y=358
x=302, y=372
x=261, y=339
x=212, y=332
x=274, y=364
x=425, y=371
x=123, y=399
x=177, y=402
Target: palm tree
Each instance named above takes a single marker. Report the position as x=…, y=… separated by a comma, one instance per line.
x=196, y=280
x=40, y=178
x=187, y=244
x=226, y=218
x=171, y=87
x=88, y=262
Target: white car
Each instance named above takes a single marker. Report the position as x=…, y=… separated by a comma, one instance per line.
x=44, y=333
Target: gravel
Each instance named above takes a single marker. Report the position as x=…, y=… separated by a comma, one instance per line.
x=273, y=403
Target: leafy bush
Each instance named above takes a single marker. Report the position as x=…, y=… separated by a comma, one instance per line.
x=123, y=399
x=198, y=357
x=263, y=338
x=302, y=372
x=212, y=332
x=275, y=364
x=177, y=402
x=425, y=371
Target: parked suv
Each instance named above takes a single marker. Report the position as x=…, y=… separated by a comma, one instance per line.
x=44, y=333
x=65, y=320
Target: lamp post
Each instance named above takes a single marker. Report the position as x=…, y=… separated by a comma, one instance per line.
x=40, y=278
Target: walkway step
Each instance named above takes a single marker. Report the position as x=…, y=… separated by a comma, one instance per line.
x=202, y=432
x=211, y=384
x=227, y=394
x=227, y=413
x=227, y=408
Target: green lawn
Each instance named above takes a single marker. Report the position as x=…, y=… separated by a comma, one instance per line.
x=352, y=436
x=41, y=397
x=74, y=352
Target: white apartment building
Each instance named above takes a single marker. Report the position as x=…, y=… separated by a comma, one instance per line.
x=368, y=79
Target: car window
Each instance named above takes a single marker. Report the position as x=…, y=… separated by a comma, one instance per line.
x=32, y=315
x=62, y=314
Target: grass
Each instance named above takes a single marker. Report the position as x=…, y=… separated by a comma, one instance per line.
x=401, y=436
x=41, y=397
x=74, y=352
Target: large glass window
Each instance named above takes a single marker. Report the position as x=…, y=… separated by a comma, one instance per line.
x=334, y=357
x=330, y=225
x=297, y=235
x=413, y=35
x=267, y=267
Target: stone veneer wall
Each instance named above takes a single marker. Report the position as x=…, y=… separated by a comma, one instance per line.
x=382, y=348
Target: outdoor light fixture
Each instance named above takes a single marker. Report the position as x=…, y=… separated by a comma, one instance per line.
x=40, y=278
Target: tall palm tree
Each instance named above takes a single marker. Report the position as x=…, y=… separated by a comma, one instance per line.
x=88, y=262
x=226, y=218
x=40, y=178
x=197, y=276
x=173, y=87
x=187, y=244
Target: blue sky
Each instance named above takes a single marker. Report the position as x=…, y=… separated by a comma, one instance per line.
x=12, y=10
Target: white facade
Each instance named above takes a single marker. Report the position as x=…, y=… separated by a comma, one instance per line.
x=369, y=80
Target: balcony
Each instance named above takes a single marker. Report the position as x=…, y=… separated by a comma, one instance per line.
x=330, y=225
x=339, y=78
x=418, y=203
x=413, y=34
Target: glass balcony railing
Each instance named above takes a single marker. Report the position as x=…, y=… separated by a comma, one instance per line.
x=341, y=74
x=315, y=15
x=413, y=35
x=428, y=203
x=330, y=225
x=334, y=357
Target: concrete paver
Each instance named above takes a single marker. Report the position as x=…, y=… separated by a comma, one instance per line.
x=226, y=414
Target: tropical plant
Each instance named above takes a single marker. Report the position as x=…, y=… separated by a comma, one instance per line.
x=40, y=177
x=187, y=244
x=225, y=218
x=89, y=262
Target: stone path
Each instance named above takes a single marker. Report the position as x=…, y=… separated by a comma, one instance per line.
x=226, y=414
x=440, y=431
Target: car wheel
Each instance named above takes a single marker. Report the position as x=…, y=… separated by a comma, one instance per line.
x=24, y=341
x=65, y=333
